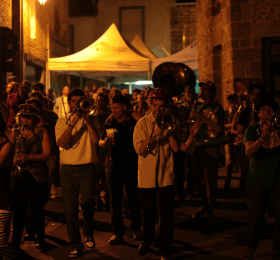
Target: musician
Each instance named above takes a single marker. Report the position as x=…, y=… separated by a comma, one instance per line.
x=229, y=148
x=155, y=175
x=6, y=160
x=262, y=147
x=190, y=104
x=77, y=137
x=121, y=168
x=211, y=114
x=246, y=117
x=30, y=173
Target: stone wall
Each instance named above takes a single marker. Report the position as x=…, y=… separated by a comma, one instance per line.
x=5, y=13
x=237, y=26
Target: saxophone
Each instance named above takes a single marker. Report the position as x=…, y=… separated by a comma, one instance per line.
x=252, y=115
x=20, y=147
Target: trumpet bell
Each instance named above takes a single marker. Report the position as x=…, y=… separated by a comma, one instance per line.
x=275, y=120
x=85, y=105
x=167, y=121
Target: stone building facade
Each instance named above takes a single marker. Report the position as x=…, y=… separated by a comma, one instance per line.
x=237, y=41
x=182, y=26
x=40, y=29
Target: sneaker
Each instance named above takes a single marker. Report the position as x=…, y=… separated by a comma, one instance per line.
x=202, y=211
x=116, y=240
x=138, y=235
x=90, y=243
x=75, y=252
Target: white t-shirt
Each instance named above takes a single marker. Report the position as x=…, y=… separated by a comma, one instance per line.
x=82, y=150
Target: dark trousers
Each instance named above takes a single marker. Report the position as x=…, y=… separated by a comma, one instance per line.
x=117, y=176
x=204, y=160
x=237, y=154
x=148, y=198
x=257, y=199
x=26, y=191
x=75, y=180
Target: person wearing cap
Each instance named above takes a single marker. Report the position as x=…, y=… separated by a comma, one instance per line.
x=30, y=173
x=78, y=137
x=155, y=149
x=16, y=99
x=211, y=115
x=121, y=168
x=247, y=117
x=262, y=146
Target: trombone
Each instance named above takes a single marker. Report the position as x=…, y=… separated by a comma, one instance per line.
x=84, y=108
x=166, y=121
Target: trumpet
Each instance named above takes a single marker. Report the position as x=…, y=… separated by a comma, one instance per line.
x=84, y=108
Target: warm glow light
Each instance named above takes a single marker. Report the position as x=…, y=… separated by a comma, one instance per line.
x=42, y=2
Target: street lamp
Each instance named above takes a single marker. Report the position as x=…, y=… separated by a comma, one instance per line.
x=42, y=2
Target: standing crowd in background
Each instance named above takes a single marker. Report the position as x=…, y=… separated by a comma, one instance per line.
x=133, y=153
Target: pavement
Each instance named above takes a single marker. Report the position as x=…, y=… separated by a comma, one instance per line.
x=224, y=238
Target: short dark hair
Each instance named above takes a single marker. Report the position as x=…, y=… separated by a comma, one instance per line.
x=100, y=94
x=37, y=94
x=253, y=86
x=136, y=90
x=36, y=101
x=38, y=86
x=75, y=92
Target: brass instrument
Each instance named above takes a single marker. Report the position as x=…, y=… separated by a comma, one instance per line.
x=191, y=120
x=166, y=121
x=271, y=140
x=84, y=108
x=252, y=115
x=20, y=148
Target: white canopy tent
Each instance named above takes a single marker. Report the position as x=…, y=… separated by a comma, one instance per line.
x=160, y=51
x=109, y=56
x=188, y=56
x=138, y=44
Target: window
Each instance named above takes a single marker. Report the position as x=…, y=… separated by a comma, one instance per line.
x=83, y=8
x=132, y=22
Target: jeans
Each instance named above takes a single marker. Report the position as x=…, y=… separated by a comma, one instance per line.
x=75, y=180
x=148, y=200
x=117, y=176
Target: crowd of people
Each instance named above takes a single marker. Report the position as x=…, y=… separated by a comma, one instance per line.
x=133, y=151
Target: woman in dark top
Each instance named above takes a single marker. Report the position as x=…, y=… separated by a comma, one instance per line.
x=30, y=173
x=6, y=159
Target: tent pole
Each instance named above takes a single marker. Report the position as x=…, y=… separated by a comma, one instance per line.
x=81, y=81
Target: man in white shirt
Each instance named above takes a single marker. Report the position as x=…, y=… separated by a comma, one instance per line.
x=155, y=175
x=61, y=107
x=77, y=138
